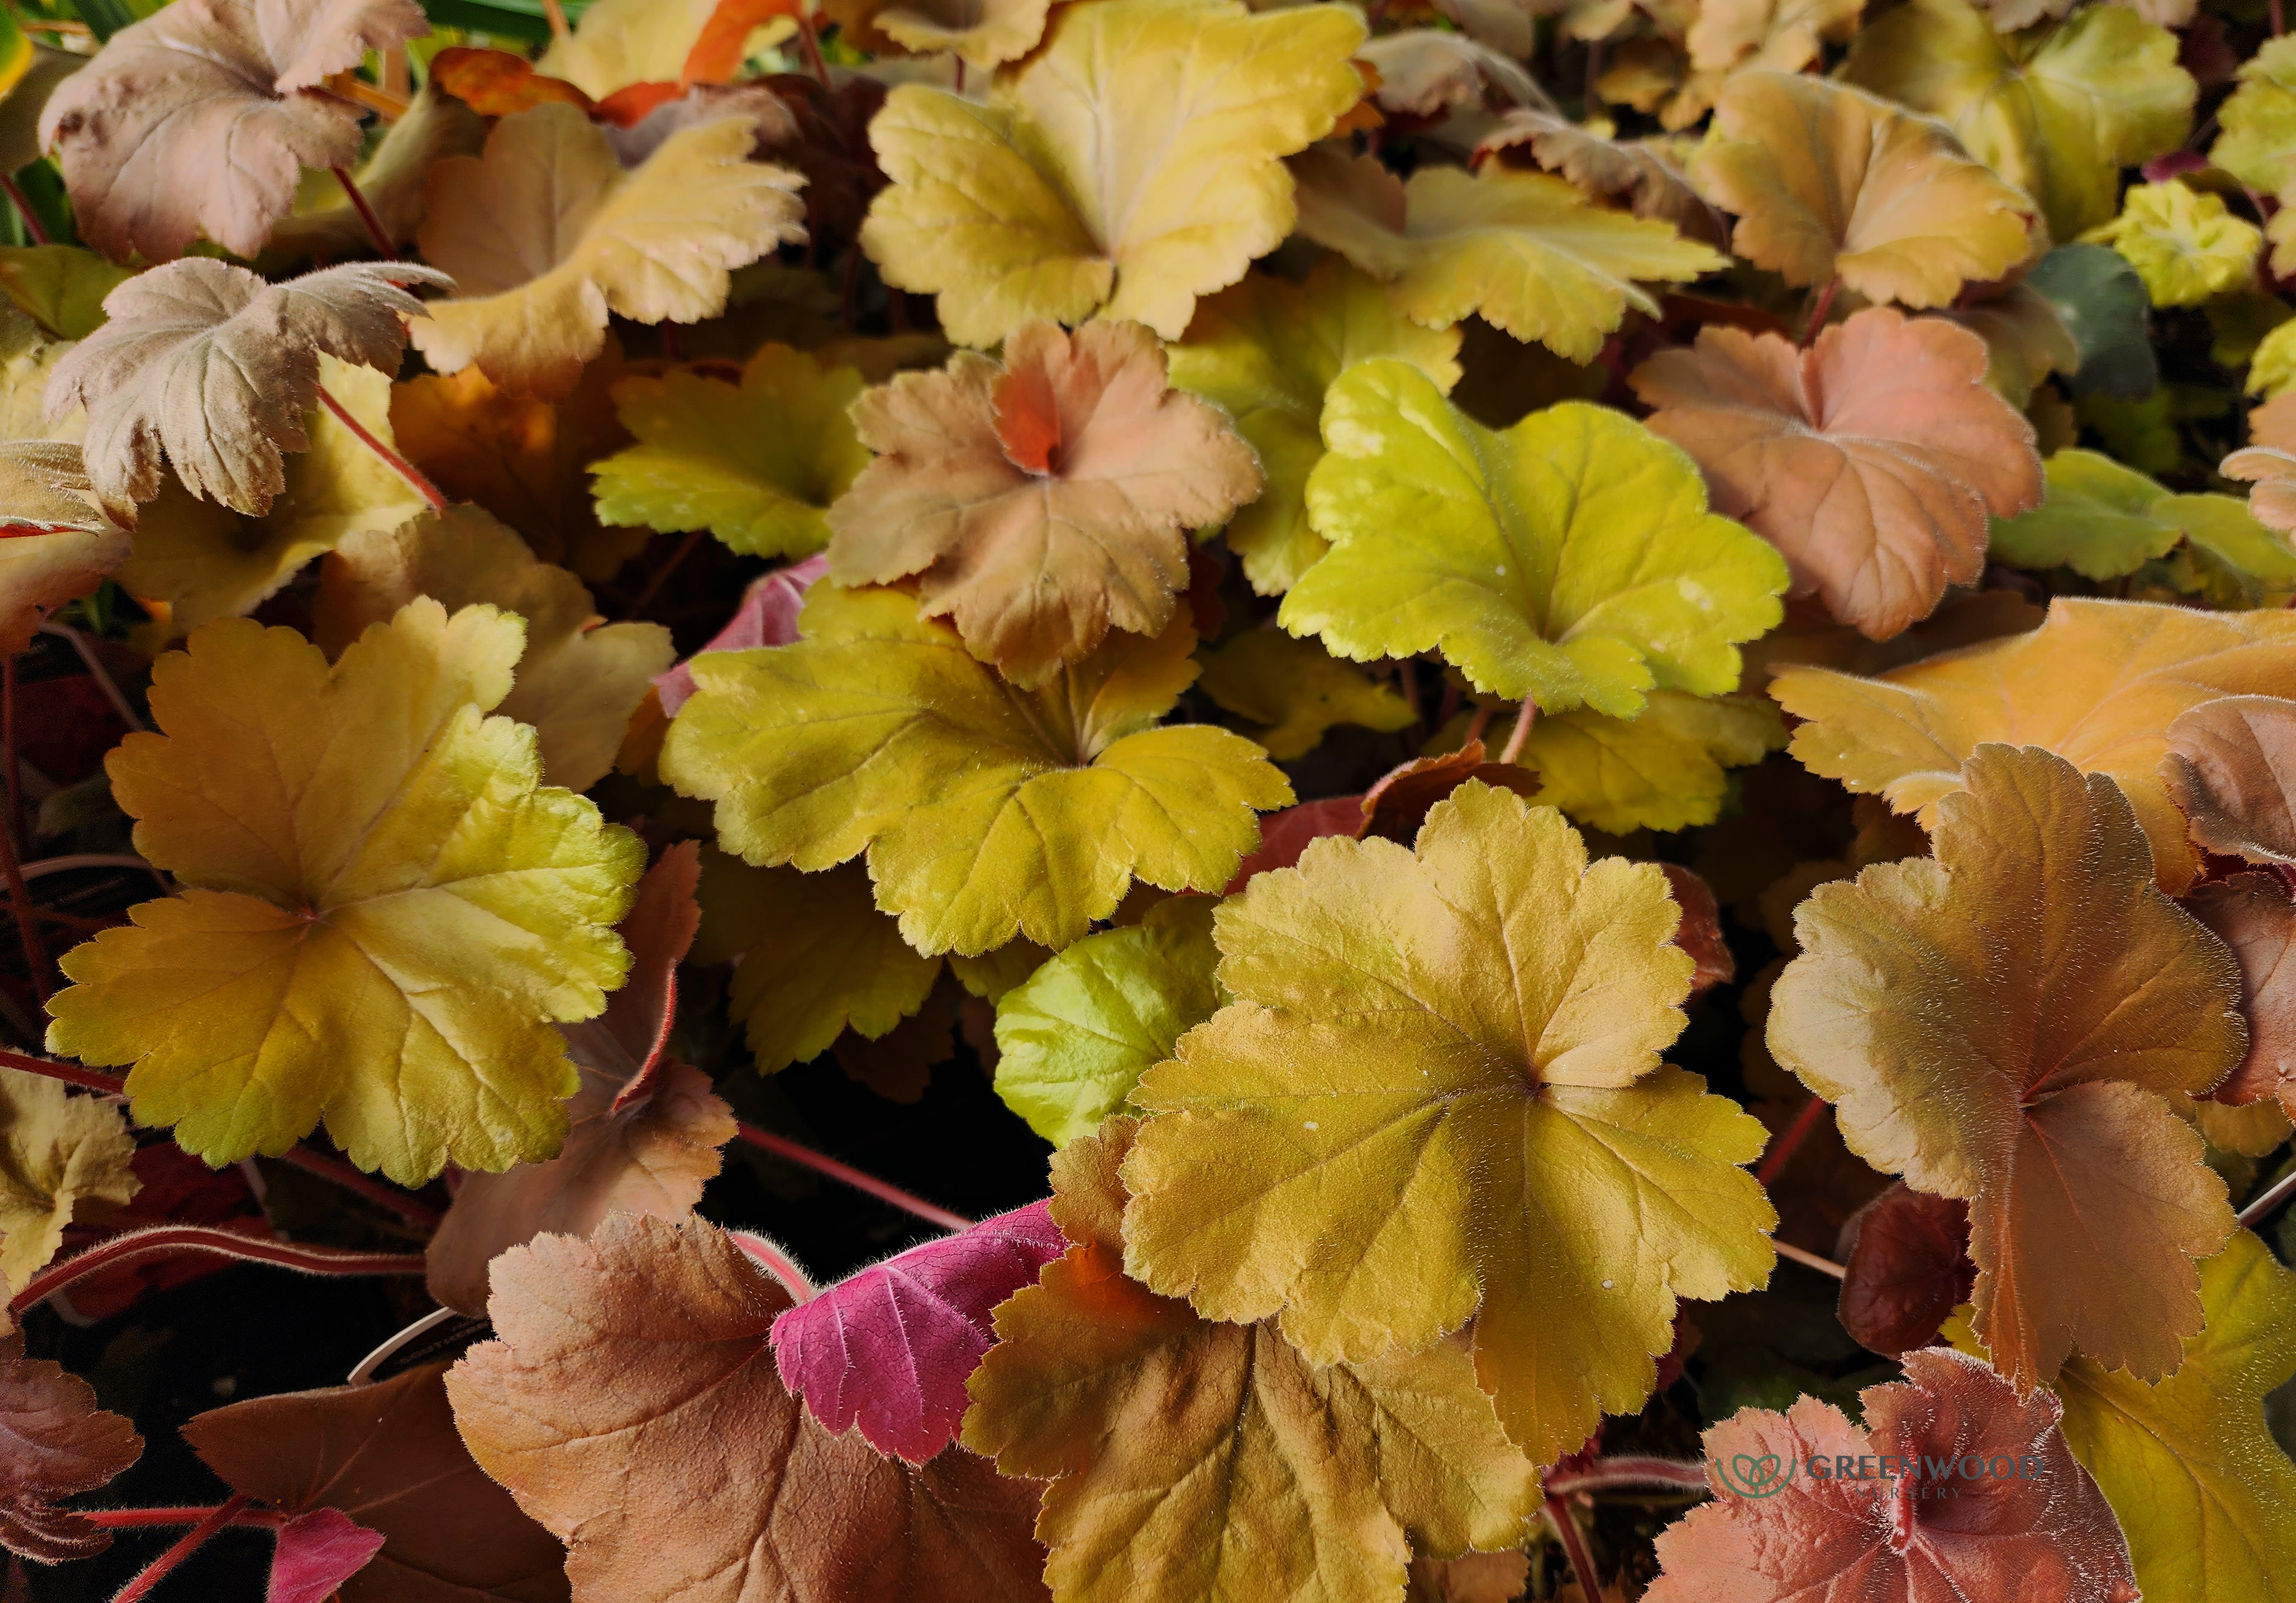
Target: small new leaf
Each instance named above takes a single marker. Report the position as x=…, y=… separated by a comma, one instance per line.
x=2183, y=242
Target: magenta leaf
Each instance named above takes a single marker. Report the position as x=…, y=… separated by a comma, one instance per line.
x=893, y=1345
x=317, y=1552
x=767, y=617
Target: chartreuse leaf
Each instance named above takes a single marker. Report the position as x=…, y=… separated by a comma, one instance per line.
x=756, y=465
x=2097, y=684
x=1663, y=769
x=61, y=285
x=1530, y=252
x=1129, y=165
x=2089, y=1199
x=57, y=1150
x=818, y=958
x=2188, y=1463
x=1191, y=1458
x=384, y=913
x=208, y=561
x=2183, y=242
x=2103, y=520
x=1075, y=1037
x=2056, y=111
x=1266, y=350
x=986, y=811
x=2256, y=138
x=1437, y=1097
x=1569, y=559
x=2272, y=369
x=1296, y=691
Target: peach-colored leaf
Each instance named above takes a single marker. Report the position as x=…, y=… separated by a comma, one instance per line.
x=199, y=120
x=212, y=366
x=2253, y=914
x=55, y=1443
x=631, y=1404
x=1043, y=502
x=2042, y=1534
x=1871, y=460
x=2232, y=767
x=2273, y=472
x=387, y=1456
x=2000, y=1023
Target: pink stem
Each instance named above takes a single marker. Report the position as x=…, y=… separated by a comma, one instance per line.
x=2270, y=1198
x=1481, y=722
x=813, y=50
x=1790, y=1140
x=40, y=236
x=96, y=671
x=1819, y=312
x=163, y=1240
x=1607, y=1474
x=1810, y=1260
x=1521, y=732
x=366, y=1185
x=779, y=1263
x=191, y=1542
x=133, y=1519
x=1574, y=1547
x=398, y=464
x=374, y=228
x=823, y=1163
x=70, y=1074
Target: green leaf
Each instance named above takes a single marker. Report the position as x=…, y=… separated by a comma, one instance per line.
x=62, y=286
x=1077, y=1037
x=2103, y=302
x=2099, y=518
x=756, y=465
x=1296, y=691
x=1664, y=770
x=1570, y=559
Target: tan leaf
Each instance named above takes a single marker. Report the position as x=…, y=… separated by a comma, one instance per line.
x=580, y=678
x=983, y=33
x=55, y=1443
x=2231, y=765
x=1785, y=36
x=211, y=365
x=54, y=546
x=1647, y=174
x=631, y=1405
x=56, y=1151
x=545, y=234
x=1830, y=182
x=1427, y=72
x=200, y=120
x=1871, y=460
x=2252, y=914
x=1043, y=502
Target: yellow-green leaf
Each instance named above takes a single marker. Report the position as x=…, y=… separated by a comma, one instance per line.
x=1437, y=1097
x=1569, y=559
x=2256, y=138
x=2057, y=110
x=1530, y=252
x=57, y=1150
x=61, y=285
x=2103, y=520
x=1662, y=770
x=1129, y=166
x=1266, y=350
x=756, y=465
x=855, y=738
x=1296, y=691
x=384, y=914
x=1075, y=1037
x=2183, y=242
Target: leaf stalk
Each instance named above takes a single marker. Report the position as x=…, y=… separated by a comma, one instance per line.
x=821, y=1163
x=165, y=1240
x=375, y=232
x=189, y=1542
x=391, y=459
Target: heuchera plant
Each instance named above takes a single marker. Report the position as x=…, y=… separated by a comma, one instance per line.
x=1147, y=801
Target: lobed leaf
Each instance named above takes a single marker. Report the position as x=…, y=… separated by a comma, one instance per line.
x=57, y=1151
x=57, y=1443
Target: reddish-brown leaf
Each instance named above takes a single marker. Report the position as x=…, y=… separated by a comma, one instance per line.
x=1907, y=1255
x=631, y=1405
x=2039, y=1534
x=55, y=1443
x=387, y=1456
x=1399, y=801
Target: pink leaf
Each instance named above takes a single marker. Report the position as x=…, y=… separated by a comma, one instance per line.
x=317, y=1552
x=893, y=1345
x=767, y=617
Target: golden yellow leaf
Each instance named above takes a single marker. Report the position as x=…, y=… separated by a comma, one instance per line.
x=1999, y=1023
x=1831, y=183
x=618, y=43
x=1215, y=1461
x=1296, y=691
x=384, y=913
x=983, y=33
x=545, y=233
x=849, y=739
x=1529, y=252
x=2098, y=684
x=1129, y=165
x=1663, y=769
x=57, y=1150
x=579, y=677
x=1437, y=1097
